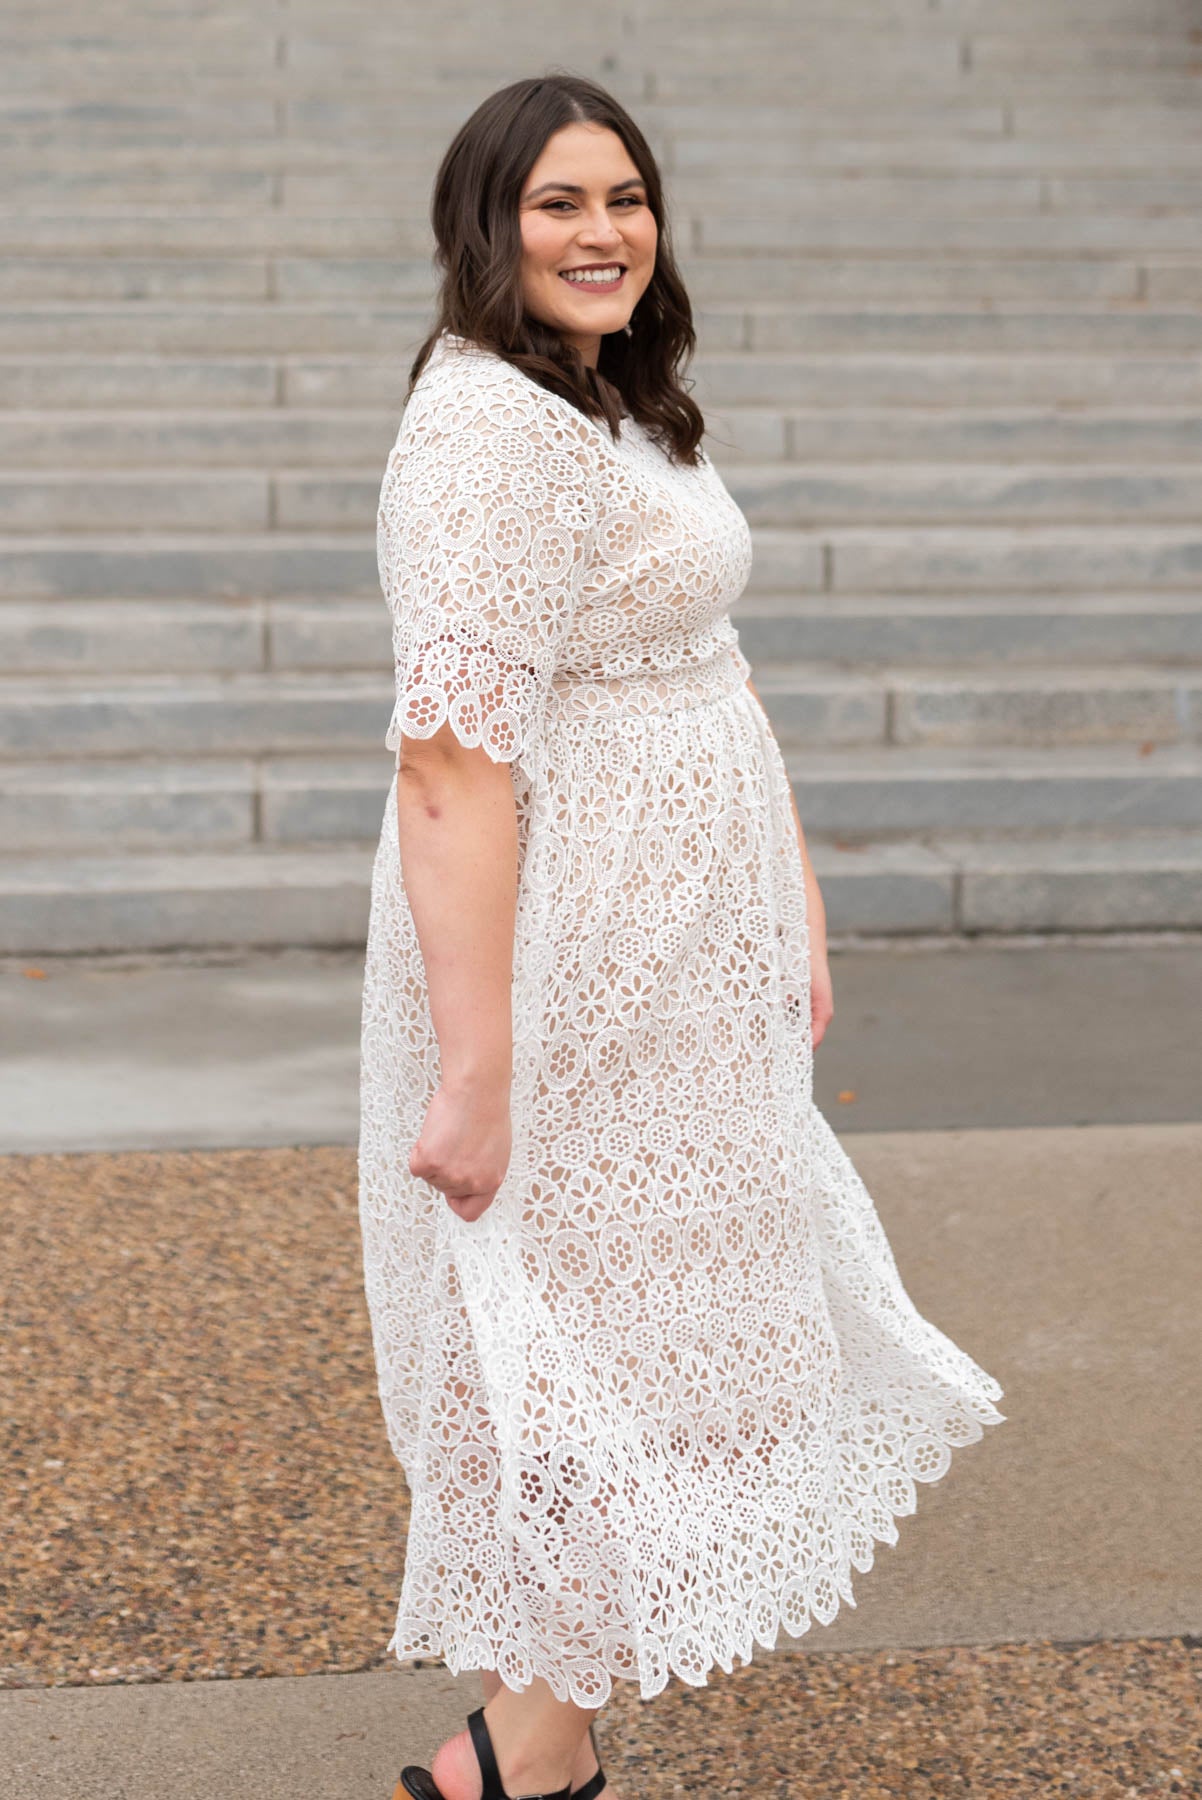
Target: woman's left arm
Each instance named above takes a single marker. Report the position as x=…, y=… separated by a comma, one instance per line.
x=822, y=1000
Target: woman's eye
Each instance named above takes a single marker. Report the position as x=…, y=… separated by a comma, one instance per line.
x=623, y=200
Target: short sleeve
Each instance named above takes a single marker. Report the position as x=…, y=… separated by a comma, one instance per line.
x=486, y=525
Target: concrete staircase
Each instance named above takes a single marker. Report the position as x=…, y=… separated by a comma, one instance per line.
x=947, y=263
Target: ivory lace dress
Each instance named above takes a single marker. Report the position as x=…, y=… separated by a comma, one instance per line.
x=668, y=1391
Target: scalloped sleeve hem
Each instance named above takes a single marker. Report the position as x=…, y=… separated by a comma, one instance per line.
x=460, y=677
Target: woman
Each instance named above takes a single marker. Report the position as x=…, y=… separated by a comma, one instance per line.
x=643, y=1351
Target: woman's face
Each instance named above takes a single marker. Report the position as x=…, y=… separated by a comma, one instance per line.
x=584, y=208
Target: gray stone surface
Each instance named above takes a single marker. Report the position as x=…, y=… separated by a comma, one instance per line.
x=323, y=1737
x=936, y=558
x=947, y=275
x=194, y=900
x=158, y=715
x=296, y=889
x=80, y=803
x=933, y=788
x=262, y=1048
x=127, y=637
x=1075, y=1520
x=949, y=631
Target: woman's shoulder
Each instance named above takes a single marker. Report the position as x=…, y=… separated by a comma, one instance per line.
x=457, y=365
x=464, y=385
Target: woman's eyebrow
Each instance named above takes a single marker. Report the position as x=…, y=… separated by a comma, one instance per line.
x=567, y=187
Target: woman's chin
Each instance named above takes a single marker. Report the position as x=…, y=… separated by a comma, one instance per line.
x=597, y=321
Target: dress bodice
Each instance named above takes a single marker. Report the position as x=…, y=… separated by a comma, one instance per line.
x=583, y=575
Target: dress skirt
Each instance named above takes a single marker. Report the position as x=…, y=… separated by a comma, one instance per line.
x=665, y=1395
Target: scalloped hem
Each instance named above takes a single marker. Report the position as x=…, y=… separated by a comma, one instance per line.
x=757, y=1624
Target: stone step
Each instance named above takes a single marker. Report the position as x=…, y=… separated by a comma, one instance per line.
x=52, y=252
x=967, y=883
x=888, y=493
x=959, y=631
x=187, y=900
x=1143, y=110
x=1139, y=881
x=304, y=437
x=128, y=805
x=360, y=122
x=870, y=212
x=1127, y=329
x=889, y=277
x=66, y=150
x=269, y=713
x=70, y=500
x=1103, y=48
x=1025, y=708
x=269, y=895
x=946, y=262
x=164, y=438
x=136, y=637
x=324, y=331
x=60, y=388
x=854, y=790
x=99, y=637
x=922, y=788
x=299, y=564
x=924, y=380
x=1076, y=88
x=682, y=69
x=1022, y=18
x=1033, y=17
x=936, y=559
x=1151, y=114
x=321, y=333
x=864, y=559
x=718, y=274
x=177, y=714
x=1042, y=397
x=154, y=499
x=1174, y=284
x=1097, y=157
x=905, y=434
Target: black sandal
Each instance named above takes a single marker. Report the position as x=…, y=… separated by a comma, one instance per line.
x=595, y=1783
x=421, y=1784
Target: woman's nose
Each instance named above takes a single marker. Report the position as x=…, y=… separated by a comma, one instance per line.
x=599, y=228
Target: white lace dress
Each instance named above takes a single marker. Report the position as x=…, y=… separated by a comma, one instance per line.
x=668, y=1391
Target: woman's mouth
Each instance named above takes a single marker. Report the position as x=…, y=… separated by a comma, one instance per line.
x=604, y=279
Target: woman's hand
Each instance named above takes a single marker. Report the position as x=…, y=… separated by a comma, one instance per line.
x=464, y=1146
x=822, y=996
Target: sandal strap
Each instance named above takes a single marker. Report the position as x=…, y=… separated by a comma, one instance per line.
x=596, y=1783
x=491, y=1774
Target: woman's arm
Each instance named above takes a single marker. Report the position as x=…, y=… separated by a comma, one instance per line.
x=822, y=1001
x=458, y=842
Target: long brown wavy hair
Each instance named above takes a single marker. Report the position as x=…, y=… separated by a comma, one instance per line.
x=475, y=214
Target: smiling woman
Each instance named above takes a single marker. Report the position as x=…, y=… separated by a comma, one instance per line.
x=543, y=193
x=588, y=244
x=643, y=1350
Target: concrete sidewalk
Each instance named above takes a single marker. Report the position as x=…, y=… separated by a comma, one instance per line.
x=1034, y=1629
x=1066, y=1260
x=1017, y=1720
x=264, y=1048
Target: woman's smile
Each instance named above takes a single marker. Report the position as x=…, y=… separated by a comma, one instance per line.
x=607, y=277
x=588, y=230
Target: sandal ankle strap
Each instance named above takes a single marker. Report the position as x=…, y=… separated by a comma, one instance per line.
x=491, y=1774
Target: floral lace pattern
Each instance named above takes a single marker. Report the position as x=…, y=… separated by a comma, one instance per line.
x=662, y=1398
